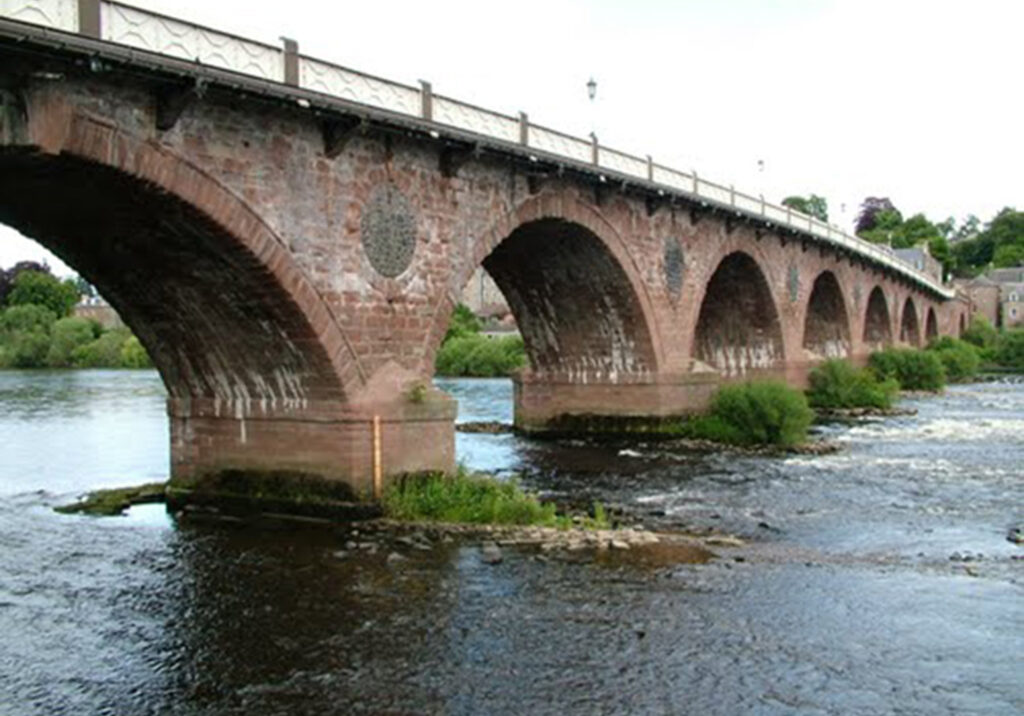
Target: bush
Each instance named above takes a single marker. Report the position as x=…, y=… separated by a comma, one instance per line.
x=960, y=359
x=981, y=333
x=26, y=317
x=463, y=323
x=25, y=336
x=465, y=498
x=480, y=356
x=104, y=352
x=133, y=355
x=837, y=384
x=913, y=369
x=1010, y=350
x=755, y=413
x=67, y=335
x=25, y=349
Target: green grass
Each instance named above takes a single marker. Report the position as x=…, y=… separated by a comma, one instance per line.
x=467, y=498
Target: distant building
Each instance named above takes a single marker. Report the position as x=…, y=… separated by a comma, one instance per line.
x=96, y=309
x=920, y=258
x=984, y=295
x=484, y=297
x=1011, y=304
x=998, y=296
x=1007, y=275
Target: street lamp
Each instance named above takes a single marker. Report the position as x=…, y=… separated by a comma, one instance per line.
x=592, y=93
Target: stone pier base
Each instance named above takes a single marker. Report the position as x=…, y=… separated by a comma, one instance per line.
x=322, y=442
x=549, y=405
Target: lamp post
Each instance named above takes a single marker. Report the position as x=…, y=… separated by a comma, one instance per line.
x=592, y=94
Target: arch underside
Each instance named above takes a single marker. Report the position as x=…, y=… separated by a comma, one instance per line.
x=877, y=324
x=910, y=332
x=931, y=325
x=575, y=306
x=826, y=327
x=214, y=318
x=738, y=329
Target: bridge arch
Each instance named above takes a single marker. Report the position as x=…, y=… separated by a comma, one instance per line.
x=877, y=321
x=826, y=322
x=910, y=331
x=212, y=292
x=738, y=328
x=931, y=329
x=576, y=294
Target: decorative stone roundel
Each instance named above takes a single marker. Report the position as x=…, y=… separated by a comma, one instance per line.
x=388, y=230
x=675, y=264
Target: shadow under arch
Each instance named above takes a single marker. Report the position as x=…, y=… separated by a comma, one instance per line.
x=210, y=290
x=910, y=331
x=738, y=329
x=579, y=314
x=877, y=321
x=826, y=323
x=931, y=325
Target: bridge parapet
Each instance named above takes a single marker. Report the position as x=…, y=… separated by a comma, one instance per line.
x=385, y=100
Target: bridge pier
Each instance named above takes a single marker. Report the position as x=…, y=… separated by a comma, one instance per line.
x=556, y=405
x=330, y=444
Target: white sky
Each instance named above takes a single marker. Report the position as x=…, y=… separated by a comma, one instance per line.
x=918, y=101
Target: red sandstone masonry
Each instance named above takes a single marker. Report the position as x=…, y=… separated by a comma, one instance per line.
x=288, y=222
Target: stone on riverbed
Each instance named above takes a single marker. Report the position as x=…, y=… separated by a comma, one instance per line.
x=490, y=553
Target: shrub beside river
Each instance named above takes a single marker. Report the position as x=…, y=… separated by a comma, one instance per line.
x=36, y=330
x=466, y=352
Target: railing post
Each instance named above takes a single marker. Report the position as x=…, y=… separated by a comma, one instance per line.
x=695, y=187
x=650, y=168
x=426, y=100
x=89, y=19
x=594, y=149
x=763, y=212
x=291, y=62
x=524, y=129
x=732, y=195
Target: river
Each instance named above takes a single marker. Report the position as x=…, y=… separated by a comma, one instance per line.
x=878, y=580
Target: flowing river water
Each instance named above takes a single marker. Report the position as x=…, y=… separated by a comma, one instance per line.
x=877, y=580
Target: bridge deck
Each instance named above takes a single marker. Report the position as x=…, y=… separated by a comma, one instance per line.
x=115, y=32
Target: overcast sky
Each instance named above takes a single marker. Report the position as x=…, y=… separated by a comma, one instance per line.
x=917, y=101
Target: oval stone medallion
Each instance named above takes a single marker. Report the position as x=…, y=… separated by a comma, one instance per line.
x=388, y=230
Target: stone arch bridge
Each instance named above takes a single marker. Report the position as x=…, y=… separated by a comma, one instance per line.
x=288, y=238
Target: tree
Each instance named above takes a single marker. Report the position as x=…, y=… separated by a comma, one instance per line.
x=1000, y=243
x=870, y=209
x=25, y=336
x=813, y=205
x=66, y=335
x=7, y=277
x=885, y=226
x=44, y=289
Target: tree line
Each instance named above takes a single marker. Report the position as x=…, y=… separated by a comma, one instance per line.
x=37, y=329
x=965, y=249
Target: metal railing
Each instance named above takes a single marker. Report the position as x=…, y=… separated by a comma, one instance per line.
x=155, y=33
